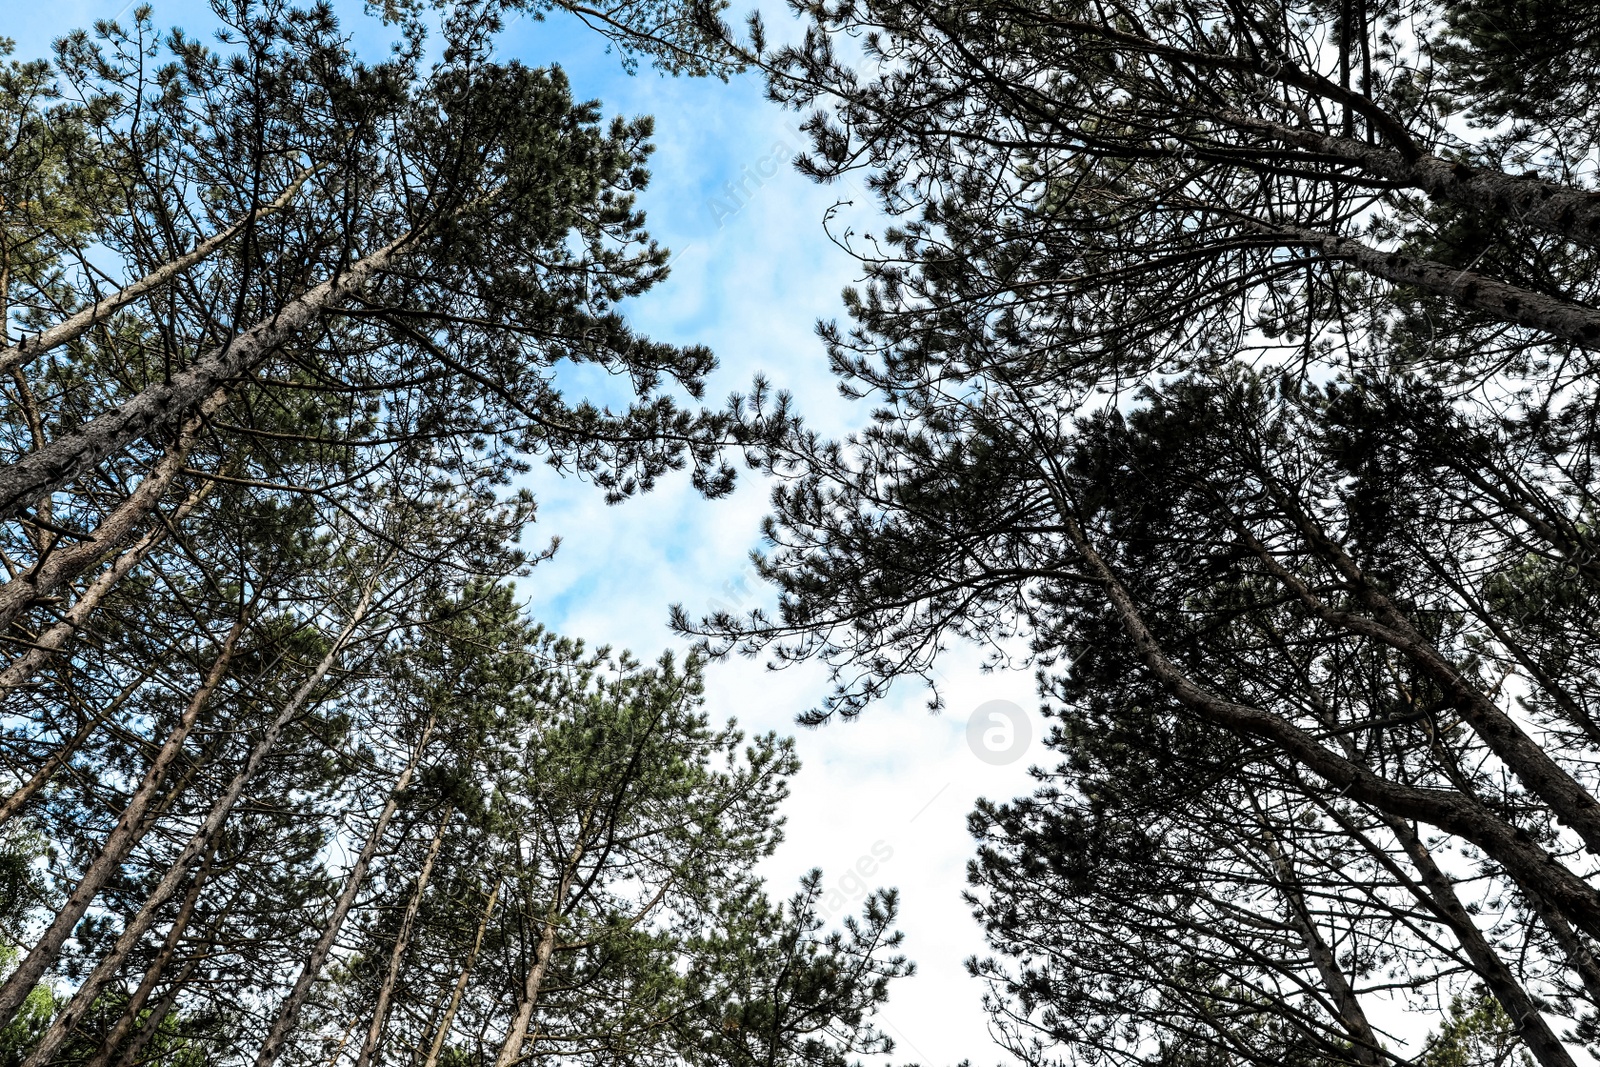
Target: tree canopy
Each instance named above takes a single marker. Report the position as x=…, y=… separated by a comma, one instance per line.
x=1230, y=365
x=286, y=773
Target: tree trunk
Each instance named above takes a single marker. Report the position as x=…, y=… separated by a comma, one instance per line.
x=63, y=564
x=158, y=1014
x=75, y=326
x=67, y=1020
x=511, y=1048
x=1568, y=211
x=1351, y=1015
x=1508, y=303
x=289, y=1011
x=152, y=975
x=401, y=941
x=1531, y=1025
x=130, y=827
x=1440, y=898
x=1507, y=845
x=50, y=642
x=461, y=981
x=64, y=752
x=1526, y=758
x=169, y=402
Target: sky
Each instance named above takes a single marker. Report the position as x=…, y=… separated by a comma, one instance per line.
x=754, y=270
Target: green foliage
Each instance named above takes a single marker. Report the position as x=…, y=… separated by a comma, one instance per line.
x=284, y=326
x=1477, y=1033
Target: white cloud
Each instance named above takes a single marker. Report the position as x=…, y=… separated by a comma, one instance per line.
x=752, y=284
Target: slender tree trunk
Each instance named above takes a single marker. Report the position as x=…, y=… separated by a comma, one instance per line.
x=67, y=1019
x=169, y=402
x=130, y=827
x=15, y=356
x=511, y=1048
x=158, y=1015
x=152, y=975
x=1526, y=758
x=344, y=1039
x=159, y=1012
x=401, y=941
x=461, y=981
x=1351, y=1015
x=289, y=1010
x=1509, y=303
x=1580, y=957
x=65, y=751
x=1438, y=894
x=62, y=564
x=51, y=641
x=1569, y=211
x=1531, y=1025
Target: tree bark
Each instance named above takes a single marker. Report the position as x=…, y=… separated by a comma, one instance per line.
x=47, y=644
x=1351, y=1015
x=67, y=1019
x=166, y=404
x=289, y=1010
x=129, y=828
x=1525, y=757
x=1438, y=895
x=401, y=941
x=449, y=1019
x=158, y=1014
x=152, y=975
x=1531, y=1025
x=63, y=564
x=1507, y=845
x=1508, y=303
x=75, y=326
x=1564, y=210
x=511, y=1047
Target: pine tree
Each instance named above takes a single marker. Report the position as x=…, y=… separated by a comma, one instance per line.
x=1232, y=369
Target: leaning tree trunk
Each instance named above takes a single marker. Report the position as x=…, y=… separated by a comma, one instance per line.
x=61, y=565
x=1510, y=303
x=1507, y=845
x=511, y=1047
x=158, y=1013
x=456, y=993
x=1531, y=1025
x=1352, y=1017
x=289, y=1010
x=1569, y=800
x=152, y=975
x=1438, y=894
x=401, y=940
x=89, y=989
x=130, y=827
x=76, y=617
x=65, y=751
x=167, y=403
x=70, y=329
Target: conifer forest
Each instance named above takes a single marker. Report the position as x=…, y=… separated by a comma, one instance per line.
x=1225, y=366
